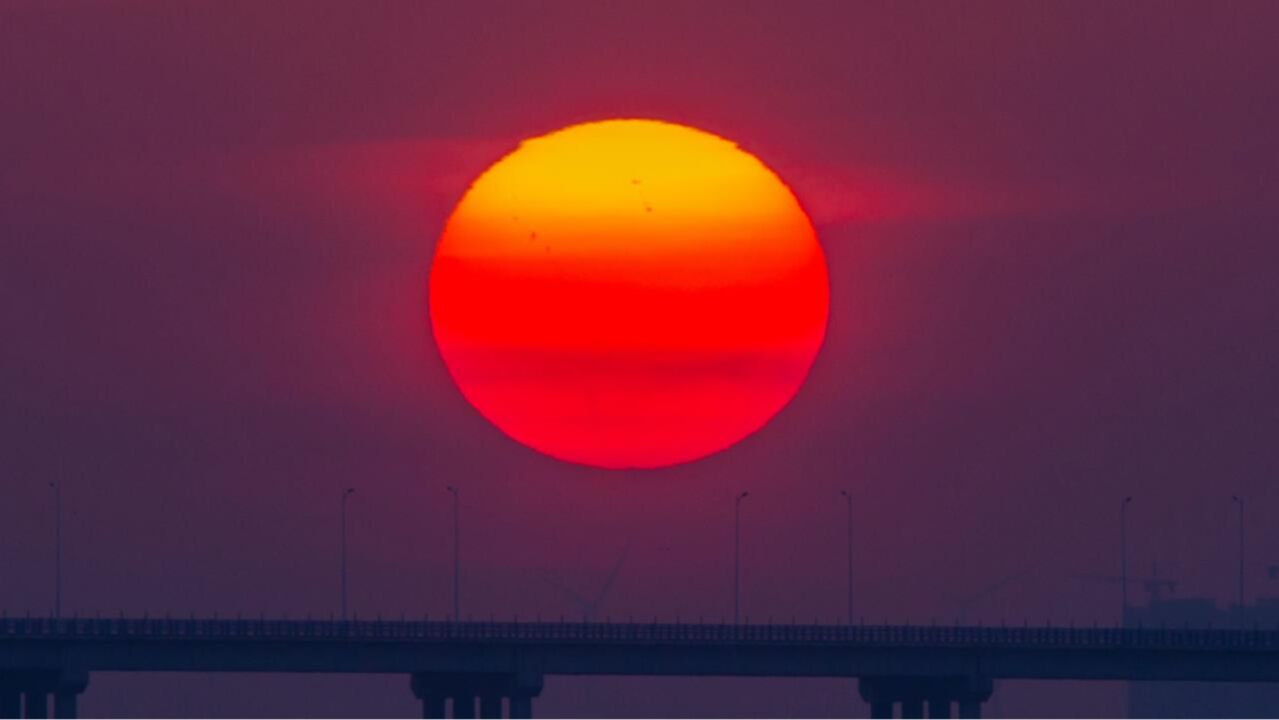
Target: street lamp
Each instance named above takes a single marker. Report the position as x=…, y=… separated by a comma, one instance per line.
x=1123, y=555
x=346, y=494
x=737, y=556
x=848, y=497
x=457, y=557
x=1239, y=501
x=57, y=549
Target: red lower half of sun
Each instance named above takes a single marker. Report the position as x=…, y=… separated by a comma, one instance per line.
x=628, y=294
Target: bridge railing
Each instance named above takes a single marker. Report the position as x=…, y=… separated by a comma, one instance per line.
x=630, y=633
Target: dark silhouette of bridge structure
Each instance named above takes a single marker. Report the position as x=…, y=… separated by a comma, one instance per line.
x=492, y=668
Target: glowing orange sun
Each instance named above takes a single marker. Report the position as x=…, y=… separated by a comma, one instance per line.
x=628, y=293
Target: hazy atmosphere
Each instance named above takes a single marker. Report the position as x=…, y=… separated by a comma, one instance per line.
x=1050, y=230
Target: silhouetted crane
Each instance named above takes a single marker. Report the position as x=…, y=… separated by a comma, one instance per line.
x=1154, y=586
x=589, y=606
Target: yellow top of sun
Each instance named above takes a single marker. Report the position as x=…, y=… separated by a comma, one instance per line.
x=649, y=200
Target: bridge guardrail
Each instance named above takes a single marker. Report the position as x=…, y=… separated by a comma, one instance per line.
x=632, y=632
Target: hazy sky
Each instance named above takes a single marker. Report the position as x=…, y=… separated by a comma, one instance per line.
x=1051, y=231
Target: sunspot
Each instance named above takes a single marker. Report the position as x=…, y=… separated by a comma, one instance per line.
x=628, y=293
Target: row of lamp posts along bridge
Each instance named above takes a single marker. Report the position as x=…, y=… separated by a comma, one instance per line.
x=26, y=692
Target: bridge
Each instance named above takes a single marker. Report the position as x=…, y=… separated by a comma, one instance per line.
x=501, y=665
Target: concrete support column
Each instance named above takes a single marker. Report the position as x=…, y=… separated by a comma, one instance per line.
x=881, y=709
x=490, y=705
x=65, y=704
x=972, y=694
x=432, y=706
x=431, y=697
x=37, y=703
x=25, y=692
x=911, y=691
x=521, y=706
x=464, y=705
x=464, y=688
x=10, y=702
x=879, y=693
x=66, y=693
x=523, y=688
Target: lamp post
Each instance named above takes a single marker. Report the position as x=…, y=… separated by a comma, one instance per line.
x=1239, y=501
x=346, y=494
x=1123, y=556
x=457, y=556
x=849, y=498
x=737, y=556
x=57, y=548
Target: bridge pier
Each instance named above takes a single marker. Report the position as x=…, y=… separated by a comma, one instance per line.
x=522, y=704
x=464, y=705
x=25, y=693
x=36, y=701
x=490, y=706
x=883, y=693
x=66, y=704
x=432, y=705
x=10, y=702
x=66, y=693
x=463, y=689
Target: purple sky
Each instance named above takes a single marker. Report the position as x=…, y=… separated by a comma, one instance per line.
x=1051, y=231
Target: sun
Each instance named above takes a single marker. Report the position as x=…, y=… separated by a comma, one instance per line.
x=629, y=294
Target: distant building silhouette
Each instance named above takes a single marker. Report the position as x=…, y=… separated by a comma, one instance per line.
x=1202, y=699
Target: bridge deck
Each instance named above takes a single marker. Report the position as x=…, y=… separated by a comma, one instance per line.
x=255, y=630
x=575, y=648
